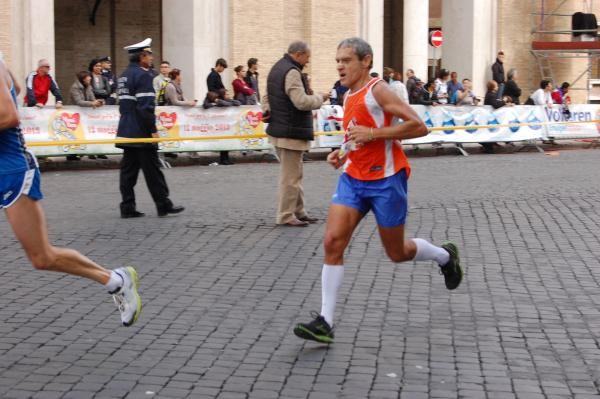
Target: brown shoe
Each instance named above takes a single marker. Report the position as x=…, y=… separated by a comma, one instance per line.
x=308, y=219
x=295, y=223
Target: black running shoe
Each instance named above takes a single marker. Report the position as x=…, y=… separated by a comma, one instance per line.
x=452, y=271
x=317, y=330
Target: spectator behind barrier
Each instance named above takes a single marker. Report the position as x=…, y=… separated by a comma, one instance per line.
x=491, y=96
x=174, y=92
x=160, y=81
x=543, y=95
x=245, y=94
x=307, y=83
x=214, y=83
x=441, y=86
x=560, y=95
x=81, y=91
x=511, y=89
x=398, y=87
x=388, y=74
x=38, y=84
x=252, y=76
x=411, y=82
x=498, y=73
x=424, y=95
x=453, y=86
x=337, y=94
x=100, y=84
x=215, y=99
x=464, y=95
x=106, y=63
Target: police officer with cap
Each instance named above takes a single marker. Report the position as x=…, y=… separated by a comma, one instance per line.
x=107, y=72
x=136, y=106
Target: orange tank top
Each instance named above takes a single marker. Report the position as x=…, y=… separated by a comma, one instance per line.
x=377, y=159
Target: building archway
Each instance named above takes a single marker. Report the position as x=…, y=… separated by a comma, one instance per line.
x=86, y=29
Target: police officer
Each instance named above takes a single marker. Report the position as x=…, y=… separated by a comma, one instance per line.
x=136, y=105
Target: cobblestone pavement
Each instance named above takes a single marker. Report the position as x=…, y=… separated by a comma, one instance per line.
x=223, y=288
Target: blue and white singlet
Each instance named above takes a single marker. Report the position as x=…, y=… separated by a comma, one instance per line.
x=14, y=156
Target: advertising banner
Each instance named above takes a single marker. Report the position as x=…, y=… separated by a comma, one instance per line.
x=449, y=117
x=329, y=118
x=576, y=113
x=75, y=123
x=450, y=124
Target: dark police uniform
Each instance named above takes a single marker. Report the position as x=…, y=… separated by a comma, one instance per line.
x=136, y=106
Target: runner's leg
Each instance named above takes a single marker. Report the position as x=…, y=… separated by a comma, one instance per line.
x=341, y=223
x=28, y=222
x=400, y=250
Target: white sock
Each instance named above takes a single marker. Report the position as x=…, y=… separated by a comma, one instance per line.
x=428, y=251
x=115, y=282
x=331, y=280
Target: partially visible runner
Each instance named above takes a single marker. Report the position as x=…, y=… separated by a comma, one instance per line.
x=19, y=196
x=375, y=178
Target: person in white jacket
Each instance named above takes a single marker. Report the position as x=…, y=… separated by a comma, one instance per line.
x=543, y=95
x=398, y=87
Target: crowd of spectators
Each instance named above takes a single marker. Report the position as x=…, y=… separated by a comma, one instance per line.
x=97, y=87
x=447, y=89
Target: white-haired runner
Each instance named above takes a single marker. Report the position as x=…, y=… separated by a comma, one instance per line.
x=374, y=179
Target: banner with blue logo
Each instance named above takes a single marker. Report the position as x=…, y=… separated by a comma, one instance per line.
x=574, y=113
x=450, y=124
x=451, y=120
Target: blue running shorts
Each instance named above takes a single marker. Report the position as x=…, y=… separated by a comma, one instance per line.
x=387, y=197
x=13, y=185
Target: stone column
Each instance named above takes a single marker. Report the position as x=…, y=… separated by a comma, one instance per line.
x=195, y=34
x=469, y=40
x=32, y=36
x=416, y=36
x=371, y=29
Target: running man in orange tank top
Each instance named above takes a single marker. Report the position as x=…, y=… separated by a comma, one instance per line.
x=375, y=178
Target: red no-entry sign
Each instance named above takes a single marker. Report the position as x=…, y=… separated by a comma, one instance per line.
x=436, y=38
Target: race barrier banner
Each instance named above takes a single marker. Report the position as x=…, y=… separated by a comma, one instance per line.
x=449, y=117
x=75, y=123
x=242, y=128
x=578, y=113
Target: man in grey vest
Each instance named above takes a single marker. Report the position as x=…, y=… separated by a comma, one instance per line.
x=288, y=110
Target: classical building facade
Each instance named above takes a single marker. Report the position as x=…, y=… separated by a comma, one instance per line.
x=192, y=34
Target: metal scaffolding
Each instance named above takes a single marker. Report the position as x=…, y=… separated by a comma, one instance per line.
x=549, y=47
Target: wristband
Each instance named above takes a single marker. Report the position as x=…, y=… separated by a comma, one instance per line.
x=372, y=136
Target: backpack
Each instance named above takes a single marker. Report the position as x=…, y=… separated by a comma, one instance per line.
x=160, y=94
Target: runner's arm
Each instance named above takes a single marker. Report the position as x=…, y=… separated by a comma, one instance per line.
x=15, y=84
x=411, y=127
x=9, y=117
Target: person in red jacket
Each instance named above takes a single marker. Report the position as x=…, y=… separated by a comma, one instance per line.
x=39, y=83
x=242, y=92
x=560, y=95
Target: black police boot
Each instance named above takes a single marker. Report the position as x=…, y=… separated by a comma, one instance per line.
x=128, y=211
x=224, y=158
x=167, y=208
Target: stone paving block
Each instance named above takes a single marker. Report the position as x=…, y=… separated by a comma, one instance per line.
x=223, y=288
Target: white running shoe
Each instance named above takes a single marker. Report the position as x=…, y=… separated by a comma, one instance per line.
x=127, y=298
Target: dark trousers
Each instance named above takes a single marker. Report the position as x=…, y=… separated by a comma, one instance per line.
x=146, y=159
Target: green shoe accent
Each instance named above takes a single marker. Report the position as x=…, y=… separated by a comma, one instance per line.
x=317, y=330
x=453, y=273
